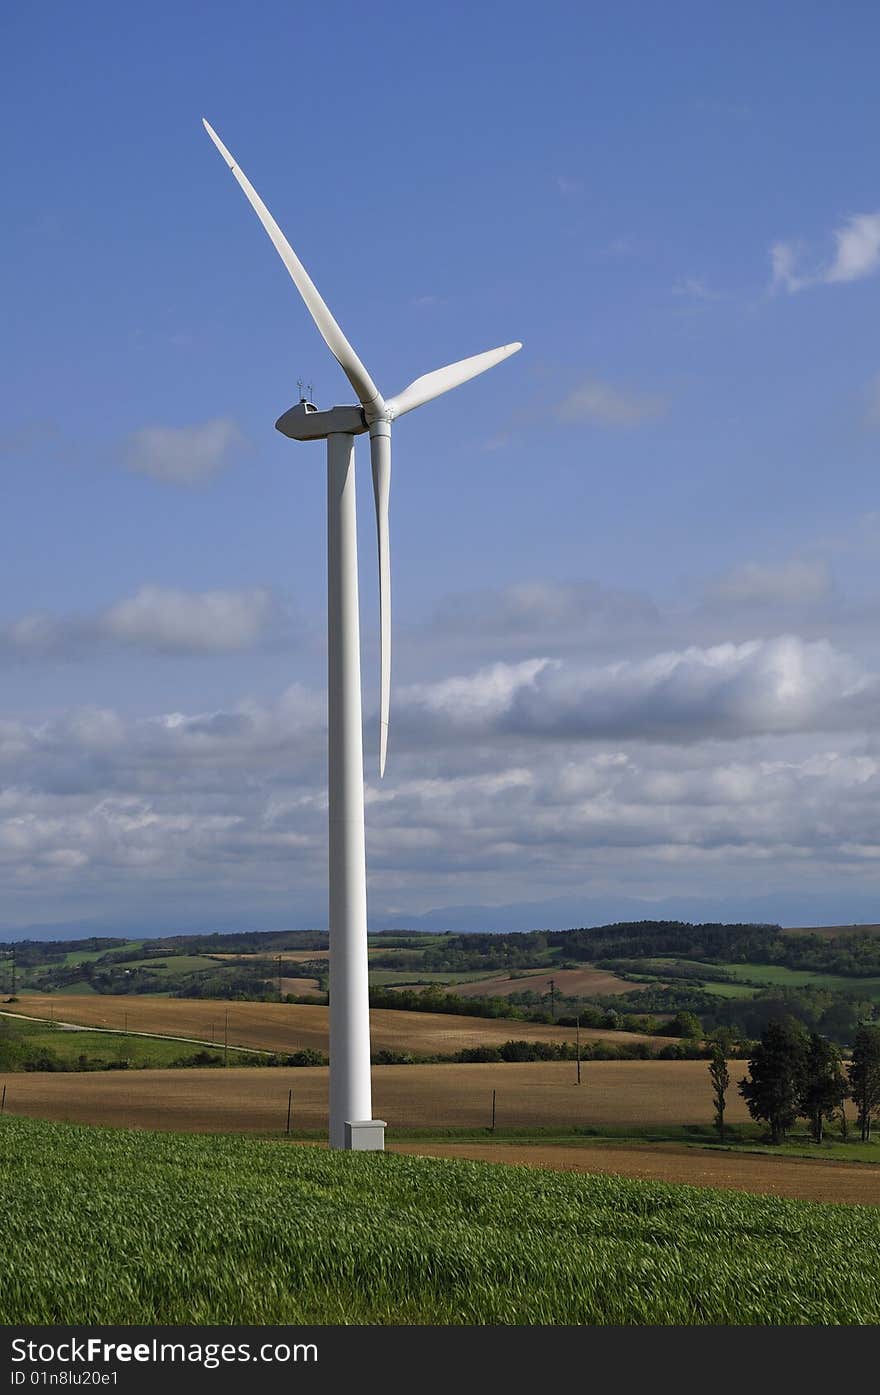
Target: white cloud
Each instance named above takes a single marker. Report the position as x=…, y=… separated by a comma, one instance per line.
x=184, y=454
x=726, y=691
x=858, y=248
x=857, y=255
x=536, y=613
x=783, y=256
x=796, y=582
x=602, y=404
x=156, y=619
x=204, y=812
x=172, y=621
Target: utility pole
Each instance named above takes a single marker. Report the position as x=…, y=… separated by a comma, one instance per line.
x=553, y=999
x=280, y=972
x=226, y=1039
x=577, y=1022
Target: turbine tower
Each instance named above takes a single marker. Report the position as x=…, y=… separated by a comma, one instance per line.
x=351, y=1121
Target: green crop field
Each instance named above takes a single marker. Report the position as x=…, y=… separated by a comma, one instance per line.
x=778, y=976
x=119, y=1227
x=729, y=990
x=96, y=1050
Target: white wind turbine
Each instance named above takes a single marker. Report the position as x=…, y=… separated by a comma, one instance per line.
x=351, y=1122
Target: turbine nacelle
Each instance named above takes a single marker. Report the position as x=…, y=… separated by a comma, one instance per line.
x=305, y=423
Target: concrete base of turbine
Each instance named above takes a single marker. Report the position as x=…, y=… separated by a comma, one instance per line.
x=365, y=1135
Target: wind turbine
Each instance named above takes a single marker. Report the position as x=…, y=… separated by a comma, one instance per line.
x=351, y=1122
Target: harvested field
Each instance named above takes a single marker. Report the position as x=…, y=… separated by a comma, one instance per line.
x=298, y=986
x=293, y=1026
x=832, y=932
x=585, y=982
x=801, y=1178
x=250, y=1099
x=641, y=1093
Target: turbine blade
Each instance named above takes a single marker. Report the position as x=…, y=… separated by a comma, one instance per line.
x=380, y=456
x=367, y=392
x=444, y=379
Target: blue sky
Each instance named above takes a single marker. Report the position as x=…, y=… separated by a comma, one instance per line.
x=636, y=666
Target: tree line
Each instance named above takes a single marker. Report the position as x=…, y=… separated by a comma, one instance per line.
x=796, y=1074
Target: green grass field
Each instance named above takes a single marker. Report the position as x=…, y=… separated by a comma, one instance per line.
x=109, y=1049
x=729, y=990
x=89, y=956
x=118, y=1227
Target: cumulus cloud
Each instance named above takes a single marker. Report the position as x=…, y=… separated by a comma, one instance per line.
x=602, y=404
x=167, y=620
x=726, y=691
x=155, y=620
x=228, y=807
x=857, y=255
x=184, y=454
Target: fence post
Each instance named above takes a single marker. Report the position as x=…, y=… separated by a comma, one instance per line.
x=289, y=1103
x=493, y=1111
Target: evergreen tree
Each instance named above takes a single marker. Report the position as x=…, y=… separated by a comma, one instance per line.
x=825, y=1087
x=720, y=1077
x=864, y=1076
x=773, y=1088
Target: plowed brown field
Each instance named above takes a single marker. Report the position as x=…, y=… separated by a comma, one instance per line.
x=292, y=1026
x=571, y=983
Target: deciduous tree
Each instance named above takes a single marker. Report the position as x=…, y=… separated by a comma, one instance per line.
x=825, y=1087
x=773, y=1088
x=864, y=1076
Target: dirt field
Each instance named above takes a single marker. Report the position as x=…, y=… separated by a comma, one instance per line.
x=570, y=983
x=299, y=986
x=540, y=1094
x=802, y=1178
x=292, y=1026
x=250, y=1099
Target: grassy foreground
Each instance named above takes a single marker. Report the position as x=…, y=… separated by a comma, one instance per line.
x=118, y=1227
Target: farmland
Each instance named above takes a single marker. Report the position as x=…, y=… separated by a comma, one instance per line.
x=585, y=982
x=286, y=1027
x=322, y=1237
x=623, y=1094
